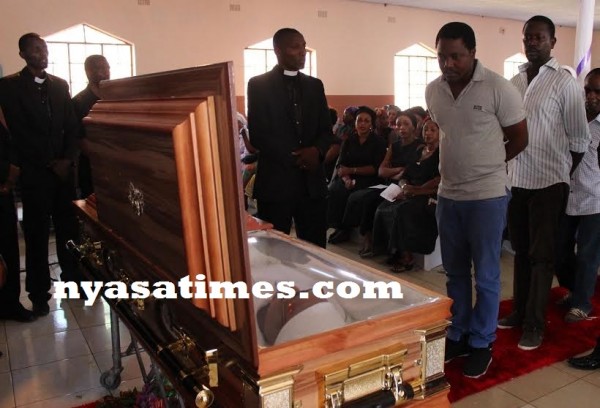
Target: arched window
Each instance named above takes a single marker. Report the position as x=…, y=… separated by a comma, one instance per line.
x=69, y=48
x=511, y=64
x=260, y=58
x=414, y=68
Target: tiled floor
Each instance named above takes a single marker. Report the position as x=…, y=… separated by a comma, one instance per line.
x=555, y=386
x=56, y=361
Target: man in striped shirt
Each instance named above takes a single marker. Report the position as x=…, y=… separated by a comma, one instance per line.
x=558, y=136
x=583, y=210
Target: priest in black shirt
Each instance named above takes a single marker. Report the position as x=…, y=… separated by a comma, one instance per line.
x=40, y=117
x=289, y=124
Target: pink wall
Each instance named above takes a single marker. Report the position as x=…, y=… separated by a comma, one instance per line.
x=355, y=43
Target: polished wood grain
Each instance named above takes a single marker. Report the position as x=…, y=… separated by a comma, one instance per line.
x=172, y=136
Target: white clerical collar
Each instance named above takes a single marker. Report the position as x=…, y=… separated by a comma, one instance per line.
x=290, y=73
x=39, y=80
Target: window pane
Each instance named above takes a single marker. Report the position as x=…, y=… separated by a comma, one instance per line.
x=69, y=48
x=95, y=36
x=77, y=53
x=415, y=67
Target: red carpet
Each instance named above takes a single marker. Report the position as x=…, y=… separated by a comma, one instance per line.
x=561, y=341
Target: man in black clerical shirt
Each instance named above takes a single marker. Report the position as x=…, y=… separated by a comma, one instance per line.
x=39, y=114
x=289, y=124
x=96, y=69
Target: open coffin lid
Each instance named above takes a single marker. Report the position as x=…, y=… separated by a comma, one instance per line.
x=167, y=181
x=167, y=178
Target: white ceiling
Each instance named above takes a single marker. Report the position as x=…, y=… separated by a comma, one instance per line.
x=562, y=12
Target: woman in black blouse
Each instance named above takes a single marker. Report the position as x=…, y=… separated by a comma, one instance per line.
x=361, y=206
x=357, y=166
x=408, y=224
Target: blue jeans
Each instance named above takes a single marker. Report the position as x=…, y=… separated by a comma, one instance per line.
x=588, y=260
x=471, y=233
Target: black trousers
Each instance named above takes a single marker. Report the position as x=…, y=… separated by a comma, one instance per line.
x=309, y=216
x=9, y=249
x=533, y=222
x=566, y=263
x=45, y=196
x=360, y=209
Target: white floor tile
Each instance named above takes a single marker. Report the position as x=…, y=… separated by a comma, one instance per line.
x=42, y=382
x=89, y=316
x=131, y=368
x=577, y=394
x=7, y=399
x=99, y=337
x=4, y=358
x=70, y=400
x=491, y=398
x=534, y=385
x=55, y=322
x=2, y=332
x=31, y=351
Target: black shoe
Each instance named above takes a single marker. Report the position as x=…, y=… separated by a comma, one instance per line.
x=455, y=349
x=588, y=362
x=339, y=236
x=41, y=308
x=366, y=253
x=333, y=235
x=510, y=321
x=531, y=339
x=18, y=314
x=478, y=362
x=393, y=259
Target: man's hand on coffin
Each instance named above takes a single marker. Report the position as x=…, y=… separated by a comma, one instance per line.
x=307, y=158
x=61, y=168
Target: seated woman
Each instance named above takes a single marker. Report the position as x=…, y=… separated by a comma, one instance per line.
x=408, y=224
x=359, y=159
x=361, y=206
x=383, y=128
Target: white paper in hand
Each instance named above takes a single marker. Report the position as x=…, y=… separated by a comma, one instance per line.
x=391, y=192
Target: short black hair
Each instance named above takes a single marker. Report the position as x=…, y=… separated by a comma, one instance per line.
x=457, y=30
x=282, y=34
x=25, y=38
x=418, y=110
x=92, y=60
x=333, y=115
x=410, y=115
x=595, y=71
x=366, y=109
x=542, y=19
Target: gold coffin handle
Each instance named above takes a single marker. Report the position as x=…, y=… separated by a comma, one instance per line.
x=204, y=398
x=377, y=379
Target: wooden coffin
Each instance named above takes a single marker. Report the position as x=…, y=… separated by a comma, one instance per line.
x=168, y=205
